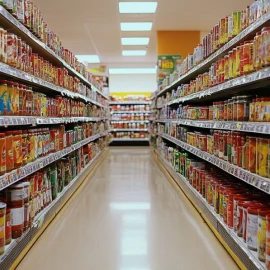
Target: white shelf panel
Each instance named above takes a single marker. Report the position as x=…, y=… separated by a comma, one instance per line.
x=256, y=127
x=20, y=173
x=9, y=22
x=252, y=179
x=255, y=27
x=6, y=121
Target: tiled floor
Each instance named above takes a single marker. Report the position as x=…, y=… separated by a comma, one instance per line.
x=127, y=216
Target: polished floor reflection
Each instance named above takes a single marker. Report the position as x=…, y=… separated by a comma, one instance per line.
x=128, y=216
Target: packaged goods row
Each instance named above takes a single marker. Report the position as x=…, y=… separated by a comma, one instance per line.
x=130, y=108
x=19, y=100
x=22, y=202
x=29, y=15
x=249, y=56
x=132, y=98
x=131, y=117
x=243, y=209
x=131, y=135
x=21, y=147
x=245, y=151
x=238, y=108
x=125, y=125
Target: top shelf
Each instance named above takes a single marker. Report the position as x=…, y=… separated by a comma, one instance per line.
x=12, y=24
x=205, y=65
x=130, y=103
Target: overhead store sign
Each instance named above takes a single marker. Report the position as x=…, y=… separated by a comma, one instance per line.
x=100, y=69
x=167, y=64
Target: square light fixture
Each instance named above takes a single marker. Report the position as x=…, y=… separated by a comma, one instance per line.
x=135, y=41
x=132, y=70
x=134, y=52
x=136, y=26
x=88, y=58
x=137, y=7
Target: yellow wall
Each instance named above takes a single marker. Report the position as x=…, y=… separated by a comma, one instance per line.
x=123, y=94
x=177, y=42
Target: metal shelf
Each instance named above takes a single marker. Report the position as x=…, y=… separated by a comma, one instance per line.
x=130, y=103
x=204, y=66
x=252, y=179
x=254, y=127
x=17, y=246
x=38, y=82
x=129, y=140
x=236, y=244
x=120, y=112
x=6, y=121
x=22, y=172
x=13, y=25
x=128, y=129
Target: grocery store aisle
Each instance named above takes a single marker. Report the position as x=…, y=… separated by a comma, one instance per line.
x=127, y=216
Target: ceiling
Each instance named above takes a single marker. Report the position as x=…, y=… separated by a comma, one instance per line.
x=93, y=26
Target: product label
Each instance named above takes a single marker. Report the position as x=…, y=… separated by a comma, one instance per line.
x=15, y=195
x=252, y=227
x=17, y=216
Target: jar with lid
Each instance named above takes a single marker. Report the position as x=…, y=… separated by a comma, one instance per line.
x=226, y=110
x=257, y=51
x=262, y=157
x=17, y=148
x=242, y=108
x=266, y=46
x=252, y=110
x=247, y=57
x=262, y=233
x=234, y=108
x=9, y=151
x=2, y=226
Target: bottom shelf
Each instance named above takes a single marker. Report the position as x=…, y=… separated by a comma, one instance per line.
x=245, y=258
x=18, y=246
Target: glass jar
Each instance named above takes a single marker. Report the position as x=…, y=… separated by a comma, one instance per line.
x=252, y=110
x=230, y=110
x=234, y=108
x=3, y=96
x=247, y=60
x=266, y=46
x=226, y=110
x=242, y=108
x=8, y=227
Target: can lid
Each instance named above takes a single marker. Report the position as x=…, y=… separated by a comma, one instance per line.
x=9, y=133
x=2, y=205
x=17, y=132
x=19, y=185
x=253, y=210
x=264, y=211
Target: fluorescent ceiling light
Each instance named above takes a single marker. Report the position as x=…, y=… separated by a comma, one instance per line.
x=137, y=7
x=135, y=41
x=132, y=71
x=136, y=26
x=88, y=58
x=134, y=53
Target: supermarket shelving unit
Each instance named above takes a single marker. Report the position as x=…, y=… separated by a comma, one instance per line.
x=18, y=248
x=127, y=140
x=245, y=258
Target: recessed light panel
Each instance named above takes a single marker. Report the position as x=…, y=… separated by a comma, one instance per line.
x=137, y=7
x=132, y=71
x=135, y=41
x=134, y=53
x=136, y=26
x=88, y=58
